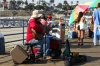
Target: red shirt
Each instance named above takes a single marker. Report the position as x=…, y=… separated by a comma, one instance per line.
x=32, y=23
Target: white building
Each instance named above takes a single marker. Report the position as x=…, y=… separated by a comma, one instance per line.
x=22, y=5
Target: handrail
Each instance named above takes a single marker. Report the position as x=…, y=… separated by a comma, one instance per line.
x=13, y=19
x=14, y=34
x=23, y=27
x=14, y=41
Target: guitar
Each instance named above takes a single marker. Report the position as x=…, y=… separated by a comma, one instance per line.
x=37, y=35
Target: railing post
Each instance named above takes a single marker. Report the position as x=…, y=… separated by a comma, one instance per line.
x=23, y=31
x=2, y=44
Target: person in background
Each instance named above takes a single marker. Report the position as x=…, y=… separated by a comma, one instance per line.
x=50, y=22
x=80, y=32
x=34, y=24
x=45, y=23
x=44, y=20
x=96, y=22
x=92, y=24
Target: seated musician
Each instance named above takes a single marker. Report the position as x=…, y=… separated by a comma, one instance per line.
x=47, y=21
x=35, y=25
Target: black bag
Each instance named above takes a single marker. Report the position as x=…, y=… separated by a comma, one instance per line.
x=78, y=27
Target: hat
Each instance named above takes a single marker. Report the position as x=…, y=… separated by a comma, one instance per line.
x=49, y=17
x=39, y=15
x=36, y=14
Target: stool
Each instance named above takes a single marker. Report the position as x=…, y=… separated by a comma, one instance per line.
x=29, y=45
x=31, y=57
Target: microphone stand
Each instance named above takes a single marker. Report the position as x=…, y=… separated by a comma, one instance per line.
x=44, y=45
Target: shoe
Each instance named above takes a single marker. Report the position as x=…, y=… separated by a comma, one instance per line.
x=48, y=57
x=82, y=44
x=78, y=44
x=96, y=45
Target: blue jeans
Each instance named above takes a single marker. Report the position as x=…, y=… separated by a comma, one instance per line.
x=95, y=40
x=44, y=46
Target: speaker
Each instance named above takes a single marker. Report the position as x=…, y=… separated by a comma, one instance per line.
x=18, y=54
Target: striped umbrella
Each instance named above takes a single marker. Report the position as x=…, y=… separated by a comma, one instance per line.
x=87, y=3
x=84, y=7
x=94, y=4
x=74, y=14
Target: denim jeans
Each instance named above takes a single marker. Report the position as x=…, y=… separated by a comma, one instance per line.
x=44, y=46
x=95, y=40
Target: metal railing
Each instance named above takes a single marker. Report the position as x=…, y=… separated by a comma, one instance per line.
x=13, y=24
x=15, y=40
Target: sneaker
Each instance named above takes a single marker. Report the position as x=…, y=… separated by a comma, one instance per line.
x=78, y=44
x=96, y=45
x=48, y=57
x=82, y=44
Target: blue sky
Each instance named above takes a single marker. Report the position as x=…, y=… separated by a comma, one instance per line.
x=69, y=1
x=61, y=1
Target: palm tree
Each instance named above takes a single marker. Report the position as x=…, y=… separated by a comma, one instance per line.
x=66, y=5
x=51, y=1
x=53, y=4
x=77, y=2
x=26, y=2
x=12, y=3
x=65, y=2
x=59, y=5
x=44, y=5
x=19, y=2
x=71, y=4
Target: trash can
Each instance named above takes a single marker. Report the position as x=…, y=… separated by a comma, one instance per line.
x=2, y=44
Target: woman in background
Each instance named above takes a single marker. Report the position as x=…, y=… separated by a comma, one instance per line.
x=80, y=32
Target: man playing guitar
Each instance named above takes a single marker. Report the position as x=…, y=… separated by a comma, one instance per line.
x=35, y=34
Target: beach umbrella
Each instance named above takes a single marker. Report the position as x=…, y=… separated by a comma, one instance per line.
x=94, y=4
x=82, y=8
x=87, y=3
x=75, y=12
x=74, y=15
